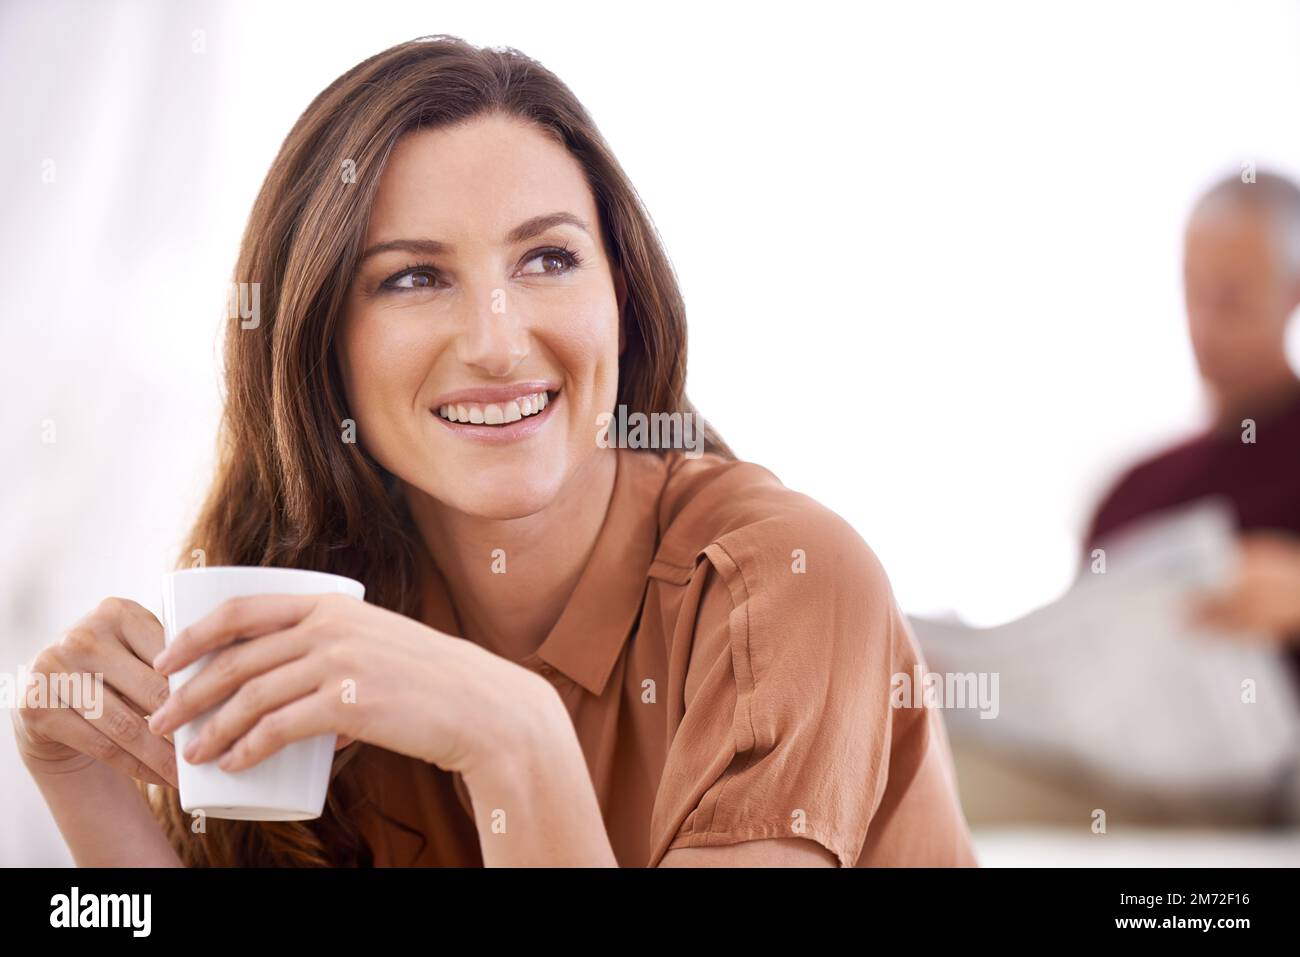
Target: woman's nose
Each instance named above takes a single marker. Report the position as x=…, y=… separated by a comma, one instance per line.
x=491, y=337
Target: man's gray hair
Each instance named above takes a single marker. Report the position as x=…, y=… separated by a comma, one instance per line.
x=1271, y=192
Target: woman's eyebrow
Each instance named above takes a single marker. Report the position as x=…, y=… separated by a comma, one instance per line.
x=524, y=231
x=540, y=224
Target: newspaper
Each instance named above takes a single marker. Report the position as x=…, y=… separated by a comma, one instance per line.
x=1113, y=678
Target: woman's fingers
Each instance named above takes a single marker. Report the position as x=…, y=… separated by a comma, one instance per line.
x=69, y=727
x=247, y=616
x=90, y=693
x=137, y=628
x=128, y=732
x=116, y=641
x=259, y=697
x=304, y=718
x=225, y=673
x=133, y=679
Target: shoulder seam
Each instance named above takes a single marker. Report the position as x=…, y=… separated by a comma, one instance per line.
x=744, y=683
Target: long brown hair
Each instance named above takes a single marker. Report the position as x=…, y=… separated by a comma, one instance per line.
x=287, y=491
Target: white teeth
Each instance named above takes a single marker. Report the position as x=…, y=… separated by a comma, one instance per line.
x=495, y=413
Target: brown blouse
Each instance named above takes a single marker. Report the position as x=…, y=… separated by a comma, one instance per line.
x=726, y=658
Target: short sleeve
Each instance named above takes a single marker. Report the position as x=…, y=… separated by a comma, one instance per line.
x=786, y=727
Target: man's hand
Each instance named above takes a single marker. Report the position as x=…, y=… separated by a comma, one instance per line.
x=1264, y=596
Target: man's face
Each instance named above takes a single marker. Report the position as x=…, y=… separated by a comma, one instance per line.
x=1238, y=297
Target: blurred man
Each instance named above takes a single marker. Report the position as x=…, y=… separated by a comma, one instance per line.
x=1242, y=284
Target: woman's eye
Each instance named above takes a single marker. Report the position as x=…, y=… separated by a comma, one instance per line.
x=412, y=279
x=553, y=261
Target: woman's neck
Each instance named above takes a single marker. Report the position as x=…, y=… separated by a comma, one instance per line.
x=509, y=579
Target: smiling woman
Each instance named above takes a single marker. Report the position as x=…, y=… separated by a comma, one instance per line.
x=571, y=653
x=514, y=300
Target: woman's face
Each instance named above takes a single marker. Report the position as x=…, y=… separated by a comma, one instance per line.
x=481, y=334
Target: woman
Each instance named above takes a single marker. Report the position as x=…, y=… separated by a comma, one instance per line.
x=573, y=653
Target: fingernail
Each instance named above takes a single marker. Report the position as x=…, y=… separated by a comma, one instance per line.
x=226, y=761
x=160, y=660
x=191, y=749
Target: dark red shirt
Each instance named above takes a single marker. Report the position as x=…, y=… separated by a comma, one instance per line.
x=1261, y=479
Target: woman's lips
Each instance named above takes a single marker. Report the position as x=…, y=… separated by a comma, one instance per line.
x=518, y=428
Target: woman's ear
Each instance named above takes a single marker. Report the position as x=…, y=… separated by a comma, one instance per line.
x=620, y=294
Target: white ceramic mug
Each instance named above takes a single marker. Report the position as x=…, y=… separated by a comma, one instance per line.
x=290, y=785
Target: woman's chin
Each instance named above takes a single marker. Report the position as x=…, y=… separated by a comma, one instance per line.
x=503, y=500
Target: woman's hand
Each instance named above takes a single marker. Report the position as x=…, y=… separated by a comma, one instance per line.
x=322, y=664
x=1264, y=596
x=89, y=694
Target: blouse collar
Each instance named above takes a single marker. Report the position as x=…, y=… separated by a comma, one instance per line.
x=588, y=638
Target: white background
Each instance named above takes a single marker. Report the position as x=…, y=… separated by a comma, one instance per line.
x=930, y=253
